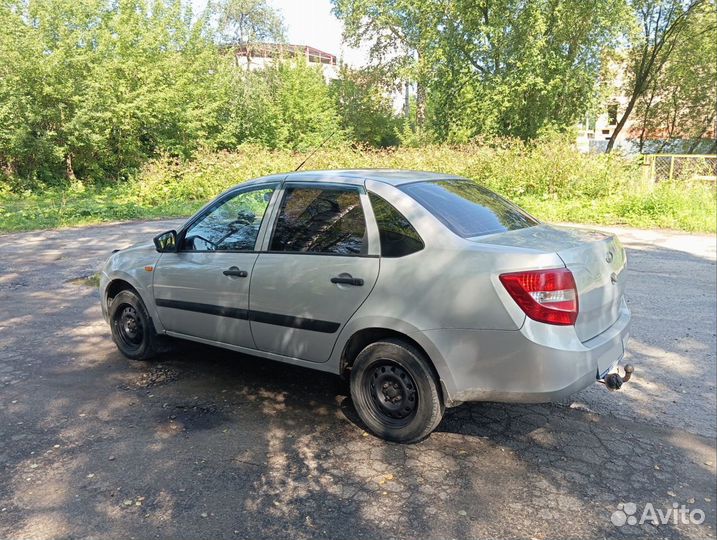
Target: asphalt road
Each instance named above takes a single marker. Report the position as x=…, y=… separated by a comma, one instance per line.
x=207, y=443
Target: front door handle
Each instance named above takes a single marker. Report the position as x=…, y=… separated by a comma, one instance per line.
x=233, y=271
x=347, y=280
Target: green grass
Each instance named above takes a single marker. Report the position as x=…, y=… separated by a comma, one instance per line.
x=53, y=208
x=670, y=206
x=550, y=179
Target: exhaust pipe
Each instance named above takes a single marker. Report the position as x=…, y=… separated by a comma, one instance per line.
x=613, y=381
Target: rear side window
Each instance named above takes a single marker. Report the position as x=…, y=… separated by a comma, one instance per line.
x=321, y=220
x=467, y=208
x=398, y=237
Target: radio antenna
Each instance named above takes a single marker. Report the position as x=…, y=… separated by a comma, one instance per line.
x=315, y=150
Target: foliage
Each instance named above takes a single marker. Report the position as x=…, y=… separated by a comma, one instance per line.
x=399, y=33
x=682, y=99
x=249, y=21
x=549, y=178
x=365, y=107
x=286, y=105
x=92, y=89
x=657, y=28
x=503, y=67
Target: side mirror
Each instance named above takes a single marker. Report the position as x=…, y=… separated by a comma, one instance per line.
x=166, y=242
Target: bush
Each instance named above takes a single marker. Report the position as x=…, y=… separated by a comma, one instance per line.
x=549, y=179
x=93, y=90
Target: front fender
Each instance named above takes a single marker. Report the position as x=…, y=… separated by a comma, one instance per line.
x=131, y=268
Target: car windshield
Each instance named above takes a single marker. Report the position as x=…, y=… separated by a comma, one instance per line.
x=468, y=209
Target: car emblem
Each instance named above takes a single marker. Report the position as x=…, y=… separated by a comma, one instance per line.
x=608, y=257
x=613, y=278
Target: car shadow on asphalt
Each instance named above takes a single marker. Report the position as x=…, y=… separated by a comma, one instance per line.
x=207, y=442
x=584, y=459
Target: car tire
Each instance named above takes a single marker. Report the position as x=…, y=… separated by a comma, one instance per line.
x=132, y=329
x=395, y=391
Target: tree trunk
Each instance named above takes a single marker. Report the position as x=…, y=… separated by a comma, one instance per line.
x=622, y=122
x=692, y=146
x=68, y=168
x=420, y=106
x=407, y=100
x=648, y=107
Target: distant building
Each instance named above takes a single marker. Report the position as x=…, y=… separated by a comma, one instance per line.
x=595, y=130
x=259, y=55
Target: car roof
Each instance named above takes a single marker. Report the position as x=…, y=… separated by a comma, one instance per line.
x=394, y=177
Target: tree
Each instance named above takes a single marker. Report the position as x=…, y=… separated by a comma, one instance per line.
x=398, y=31
x=659, y=26
x=285, y=105
x=505, y=67
x=514, y=68
x=682, y=99
x=249, y=21
x=90, y=90
x=365, y=107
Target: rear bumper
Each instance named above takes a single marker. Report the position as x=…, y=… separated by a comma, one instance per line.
x=536, y=364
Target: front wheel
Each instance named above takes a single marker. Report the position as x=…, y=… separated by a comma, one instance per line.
x=131, y=326
x=395, y=391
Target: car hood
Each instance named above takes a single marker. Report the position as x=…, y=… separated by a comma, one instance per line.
x=137, y=246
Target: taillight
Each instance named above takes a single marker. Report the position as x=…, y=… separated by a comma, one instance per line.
x=548, y=296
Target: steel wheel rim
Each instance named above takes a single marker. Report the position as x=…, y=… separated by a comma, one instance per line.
x=129, y=327
x=392, y=393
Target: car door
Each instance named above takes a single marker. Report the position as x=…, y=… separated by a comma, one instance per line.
x=320, y=265
x=202, y=290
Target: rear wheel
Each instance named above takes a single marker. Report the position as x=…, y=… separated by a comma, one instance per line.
x=131, y=326
x=395, y=391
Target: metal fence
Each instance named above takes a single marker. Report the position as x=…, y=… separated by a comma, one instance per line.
x=668, y=167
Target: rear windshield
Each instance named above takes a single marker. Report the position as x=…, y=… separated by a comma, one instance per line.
x=467, y=208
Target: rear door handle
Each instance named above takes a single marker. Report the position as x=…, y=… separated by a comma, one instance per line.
x=347, y=280
x=235, y=272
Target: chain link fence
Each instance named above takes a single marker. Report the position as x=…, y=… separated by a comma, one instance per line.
x=680, y=167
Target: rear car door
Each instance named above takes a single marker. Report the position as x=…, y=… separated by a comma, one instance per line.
x=321, y=264
x=203, y=290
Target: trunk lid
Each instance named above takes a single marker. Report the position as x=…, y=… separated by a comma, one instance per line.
x=596, y=259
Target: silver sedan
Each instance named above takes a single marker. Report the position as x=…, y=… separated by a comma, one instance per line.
x=424, y=289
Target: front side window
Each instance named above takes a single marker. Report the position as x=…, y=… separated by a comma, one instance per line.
x=468, y=209
x=323, y=219
x=231, y=226
x=398, y=237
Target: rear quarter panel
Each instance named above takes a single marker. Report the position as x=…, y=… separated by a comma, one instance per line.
x=451, y=284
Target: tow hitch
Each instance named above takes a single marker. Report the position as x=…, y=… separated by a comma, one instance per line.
x=613, y=381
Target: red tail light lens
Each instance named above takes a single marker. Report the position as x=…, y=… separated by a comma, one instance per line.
x=547, y=296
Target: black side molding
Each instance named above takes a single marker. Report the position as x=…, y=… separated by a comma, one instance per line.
x=222, y=311
x=302, y=323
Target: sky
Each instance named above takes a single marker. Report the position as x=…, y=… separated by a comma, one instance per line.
x=310, y=22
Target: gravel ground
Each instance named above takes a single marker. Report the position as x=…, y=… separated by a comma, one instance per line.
x=207, y=443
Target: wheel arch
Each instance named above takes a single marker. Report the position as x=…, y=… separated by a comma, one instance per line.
x=359, y=338
x=120, y=281
x=116, y=286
